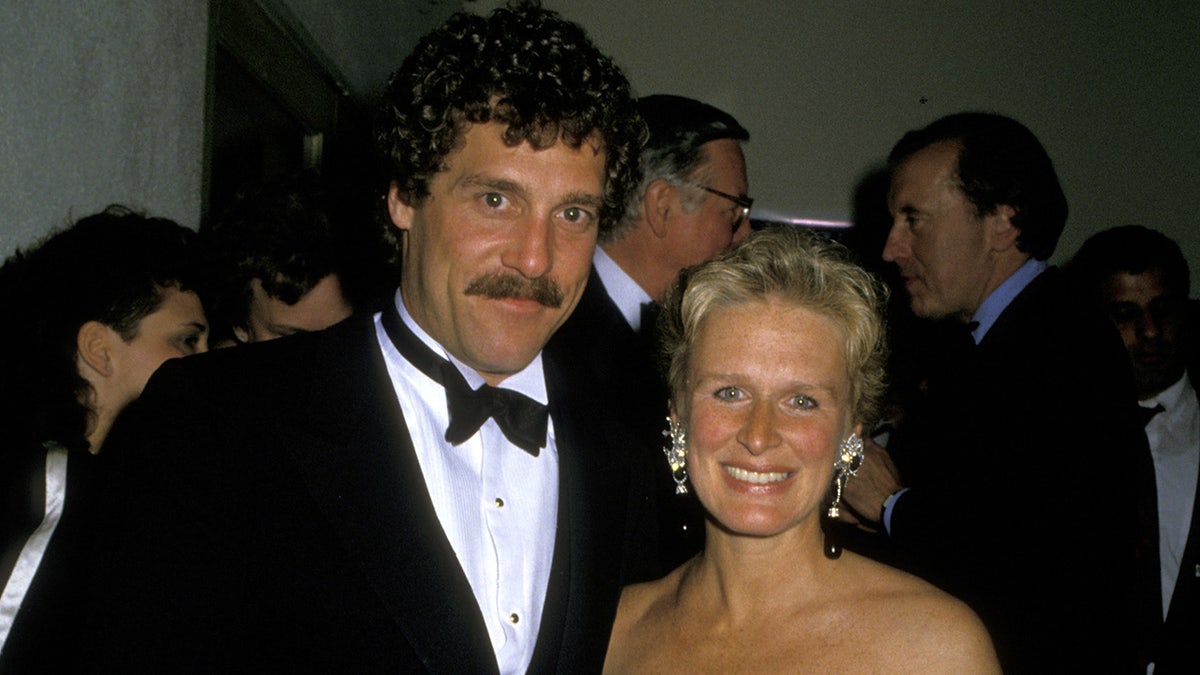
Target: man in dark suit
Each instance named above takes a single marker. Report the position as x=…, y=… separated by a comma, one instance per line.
x=1141, y=279
x=391, y=494
x=690, y=206
x=1007, y=487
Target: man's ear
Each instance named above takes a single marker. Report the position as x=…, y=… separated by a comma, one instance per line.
x=656, y=206
x=399, y=210
x=1004, y=233
x=93, y=343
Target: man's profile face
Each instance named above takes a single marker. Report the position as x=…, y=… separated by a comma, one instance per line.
x=708, y=230
x=939, y=243
x=269, y=318
x=1150, y=319
x=496, y=257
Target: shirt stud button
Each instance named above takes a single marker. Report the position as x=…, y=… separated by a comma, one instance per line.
x=499, y=503
x=514, y=618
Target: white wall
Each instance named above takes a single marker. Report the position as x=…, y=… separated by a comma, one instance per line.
x=100, y=102
x=103, y=101
x=825, y=88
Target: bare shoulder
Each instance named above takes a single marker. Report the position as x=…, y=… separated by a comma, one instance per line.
x=637, y=601
x=923, y=628
x=644, y=615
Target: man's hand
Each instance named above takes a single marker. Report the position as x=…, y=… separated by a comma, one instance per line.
x=875, y=481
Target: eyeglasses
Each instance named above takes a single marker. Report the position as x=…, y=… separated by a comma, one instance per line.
x=745, y=202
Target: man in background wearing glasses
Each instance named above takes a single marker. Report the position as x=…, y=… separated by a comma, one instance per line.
x=690, y=206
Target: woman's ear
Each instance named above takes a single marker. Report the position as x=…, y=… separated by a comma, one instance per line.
x=93, y=343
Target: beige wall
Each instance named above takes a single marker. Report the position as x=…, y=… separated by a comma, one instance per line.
x=103, y=101
x=825, y=88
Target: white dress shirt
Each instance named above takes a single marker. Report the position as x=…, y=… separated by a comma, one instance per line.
x=496, y=503
x=1174, y=437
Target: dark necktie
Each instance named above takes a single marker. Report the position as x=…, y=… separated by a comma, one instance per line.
x=648, y=333
x=522, y=419
x=649, y=313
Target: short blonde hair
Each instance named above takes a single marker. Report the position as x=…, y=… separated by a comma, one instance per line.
x=798, y=267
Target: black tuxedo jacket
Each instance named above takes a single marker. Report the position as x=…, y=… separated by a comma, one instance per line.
x=1022, y=498
x=1177, y=649
x=267, y=513
x=603, y=354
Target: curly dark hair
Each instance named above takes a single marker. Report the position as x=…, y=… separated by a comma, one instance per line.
x=1000, y=161
x=522, y=66
x=289, y=234
x=113, y=267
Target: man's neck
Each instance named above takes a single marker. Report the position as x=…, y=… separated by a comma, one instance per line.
x=1173, y=389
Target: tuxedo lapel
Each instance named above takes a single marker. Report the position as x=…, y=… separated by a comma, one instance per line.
x=594, y=478
x=354, y=450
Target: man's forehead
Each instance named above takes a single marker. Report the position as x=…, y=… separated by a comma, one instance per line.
x=1136, y=287
x=924, y=190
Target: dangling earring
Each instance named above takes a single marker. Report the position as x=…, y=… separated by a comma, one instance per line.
x=850, y=457
x=676, y=452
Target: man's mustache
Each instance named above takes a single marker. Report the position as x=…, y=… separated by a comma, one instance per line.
x=499, y=286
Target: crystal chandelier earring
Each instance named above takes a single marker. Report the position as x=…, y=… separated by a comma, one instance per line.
x=849, y=459
x=676, y=452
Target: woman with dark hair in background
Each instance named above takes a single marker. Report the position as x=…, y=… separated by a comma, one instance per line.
x=89, y=314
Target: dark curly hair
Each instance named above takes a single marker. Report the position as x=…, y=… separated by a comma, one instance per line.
x=522, y=66
x=1000, y=161
x=289, y=234
x=112, y=267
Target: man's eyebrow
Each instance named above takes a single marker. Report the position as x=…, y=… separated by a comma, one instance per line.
x=585, y=199
x=492, y=183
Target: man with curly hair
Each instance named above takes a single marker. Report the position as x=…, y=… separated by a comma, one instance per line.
x=416, y=491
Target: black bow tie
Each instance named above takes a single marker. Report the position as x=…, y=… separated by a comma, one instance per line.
x=522, y=419
x=1148, y=414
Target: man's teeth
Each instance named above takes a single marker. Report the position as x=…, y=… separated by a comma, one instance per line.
x=754, y=476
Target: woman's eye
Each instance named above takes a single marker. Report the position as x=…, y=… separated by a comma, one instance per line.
x=189, y=344
x=805, y=402
x=728, y=393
